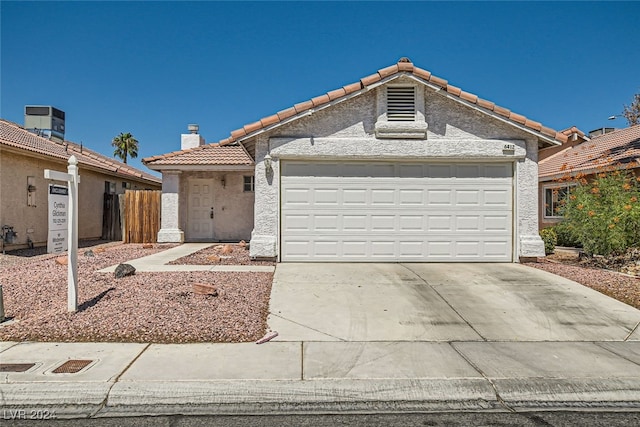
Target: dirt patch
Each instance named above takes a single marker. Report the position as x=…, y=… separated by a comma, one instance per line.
x=145, y=307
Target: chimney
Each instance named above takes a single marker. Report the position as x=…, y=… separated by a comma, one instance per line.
x=191, y=139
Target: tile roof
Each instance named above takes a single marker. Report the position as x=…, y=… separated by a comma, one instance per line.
x=404, y=65
x=620, y=147
x=14, y=135
x=209, y=154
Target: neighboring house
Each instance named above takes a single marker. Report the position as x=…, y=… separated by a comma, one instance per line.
x=23, y=189
x=615, y=149
x=399, y=166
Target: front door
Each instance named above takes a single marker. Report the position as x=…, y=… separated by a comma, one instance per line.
x=200, y=222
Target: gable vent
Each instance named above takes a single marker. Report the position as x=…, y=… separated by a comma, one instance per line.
x=401, y=104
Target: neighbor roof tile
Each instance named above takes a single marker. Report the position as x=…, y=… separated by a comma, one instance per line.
x=619, y=148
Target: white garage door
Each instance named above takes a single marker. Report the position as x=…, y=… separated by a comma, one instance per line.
x=370, y=211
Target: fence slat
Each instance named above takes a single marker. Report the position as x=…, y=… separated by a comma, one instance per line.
x=142, y=216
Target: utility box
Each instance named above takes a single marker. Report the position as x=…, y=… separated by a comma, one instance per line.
x=45, y=120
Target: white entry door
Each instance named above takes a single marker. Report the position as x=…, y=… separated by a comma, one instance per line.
x=375, y=211
x=200, y=208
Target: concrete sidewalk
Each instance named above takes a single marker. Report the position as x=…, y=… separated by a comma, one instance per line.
x=383, y=338
x=158, y=262
x=311, y=377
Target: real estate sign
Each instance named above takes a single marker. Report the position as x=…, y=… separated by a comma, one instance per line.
x=58, y=218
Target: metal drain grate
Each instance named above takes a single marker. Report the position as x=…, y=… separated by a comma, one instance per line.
x=71, y=366
x=16, y=367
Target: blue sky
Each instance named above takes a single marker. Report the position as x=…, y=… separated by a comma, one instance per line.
x=150, y=68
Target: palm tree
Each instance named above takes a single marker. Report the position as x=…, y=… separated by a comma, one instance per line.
x=125, y=145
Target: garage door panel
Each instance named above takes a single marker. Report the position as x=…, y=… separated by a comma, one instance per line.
x=439, y=198
x=365, y=211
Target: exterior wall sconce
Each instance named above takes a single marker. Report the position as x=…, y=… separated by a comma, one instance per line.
x=31, y=188
x=223, y=181
x=268, y=163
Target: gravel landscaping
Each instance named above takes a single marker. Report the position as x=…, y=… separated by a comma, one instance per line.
x=623, y=287
x=145, y=307
x=225, y=254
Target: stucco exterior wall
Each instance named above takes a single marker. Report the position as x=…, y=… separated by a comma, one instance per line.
x=346, y=131
x=233, y=207
x=32, y=221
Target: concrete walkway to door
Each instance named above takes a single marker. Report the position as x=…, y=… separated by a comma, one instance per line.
x=441, y=302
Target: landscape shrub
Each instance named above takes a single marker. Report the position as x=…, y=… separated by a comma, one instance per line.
x=604, y=214
x=566, y=235
x=550, y=240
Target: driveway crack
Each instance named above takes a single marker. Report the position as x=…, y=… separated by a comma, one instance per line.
x=635, y=328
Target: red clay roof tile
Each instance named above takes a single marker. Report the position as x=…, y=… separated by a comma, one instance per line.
x=373, y=78
x=14, y=135
x=271, y=120
x=486, y=104
x=423, y=74
x=353, y=87
x=320, y=100
x=403, y=65
x=518, y=118
x=438, y=81
x=253, y=127
x=533, y=124
x=303, y=106
x=469, y=97
x=210, y=154
x=388, y=71
x=619, y=148
x=548, y=131
x=502, y=111
x=285, y=114
x=453, y=90
x=335, y=94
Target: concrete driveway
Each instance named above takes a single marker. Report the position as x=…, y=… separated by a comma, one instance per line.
x=441, y=302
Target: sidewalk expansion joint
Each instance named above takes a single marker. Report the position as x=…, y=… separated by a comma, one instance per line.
x=481, y=372
x=103, y=404
x=635, y=328
x=622, y=356
x=305, y=326
x=446, y=302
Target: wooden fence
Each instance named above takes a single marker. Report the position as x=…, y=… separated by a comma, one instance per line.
x=111, y=226
x=141, y=216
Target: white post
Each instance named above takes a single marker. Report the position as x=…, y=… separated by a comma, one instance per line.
x=72, y=264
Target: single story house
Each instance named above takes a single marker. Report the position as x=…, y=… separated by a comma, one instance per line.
x=24, y=191
x=398, y=166
x=618, y=148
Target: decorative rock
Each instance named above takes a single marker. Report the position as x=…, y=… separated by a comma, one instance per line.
x=227, y=249
x=98, y=250
x=205, y=289
x=63, y=260
x=89, y=253
x=213, y=258
x=123, y=270
x=242, y=244
x=218, y=247
x=147, y=246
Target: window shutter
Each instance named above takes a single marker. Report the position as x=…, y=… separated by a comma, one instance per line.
x=401, y=104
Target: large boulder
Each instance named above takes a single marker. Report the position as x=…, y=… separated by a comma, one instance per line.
x=123, y=270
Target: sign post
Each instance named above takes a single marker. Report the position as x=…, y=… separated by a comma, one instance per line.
x=72, y=228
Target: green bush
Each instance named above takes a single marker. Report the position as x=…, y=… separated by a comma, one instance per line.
x=550, y=240
x=604, y=214
x=566, y=235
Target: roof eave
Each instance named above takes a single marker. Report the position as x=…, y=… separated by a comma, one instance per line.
x=200, y=167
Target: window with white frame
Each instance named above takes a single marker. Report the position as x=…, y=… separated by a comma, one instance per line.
x=249, y=184
x=554, y=199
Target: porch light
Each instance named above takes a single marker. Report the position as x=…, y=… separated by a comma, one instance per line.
x=268, y=167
